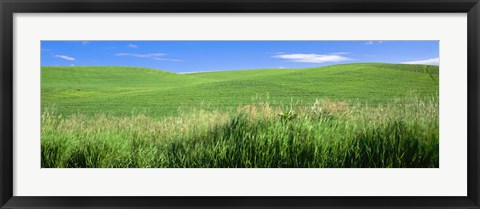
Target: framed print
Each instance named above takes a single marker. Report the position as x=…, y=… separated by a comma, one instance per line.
x=265, y=104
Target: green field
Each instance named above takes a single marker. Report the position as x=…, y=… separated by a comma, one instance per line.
x=349, y=115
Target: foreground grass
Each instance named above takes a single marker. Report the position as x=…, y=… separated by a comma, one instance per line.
x=399, y=134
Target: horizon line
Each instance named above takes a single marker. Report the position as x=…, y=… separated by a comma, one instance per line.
x=208, y=71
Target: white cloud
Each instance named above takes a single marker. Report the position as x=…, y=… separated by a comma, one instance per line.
x=340, y=53
x=65, y=57
x=373, y=42
x=72, y=65
x=433, y=61
x=133, y=46
x=155, y=56
x=312, y=58
x=192, y=72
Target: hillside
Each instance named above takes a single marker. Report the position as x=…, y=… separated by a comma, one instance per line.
x=127, y=90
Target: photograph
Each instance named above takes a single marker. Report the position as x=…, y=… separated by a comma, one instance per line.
x=240, y=103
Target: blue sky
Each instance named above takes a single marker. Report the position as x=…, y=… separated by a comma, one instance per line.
x=195, y=56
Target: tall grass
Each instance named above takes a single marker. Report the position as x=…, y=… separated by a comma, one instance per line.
x=324, y=134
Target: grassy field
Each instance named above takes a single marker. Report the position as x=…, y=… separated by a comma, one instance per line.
x=352, y=115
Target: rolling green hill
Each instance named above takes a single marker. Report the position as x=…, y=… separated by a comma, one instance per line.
x=127, y=90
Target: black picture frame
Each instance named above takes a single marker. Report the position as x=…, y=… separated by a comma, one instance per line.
x=10, y=7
